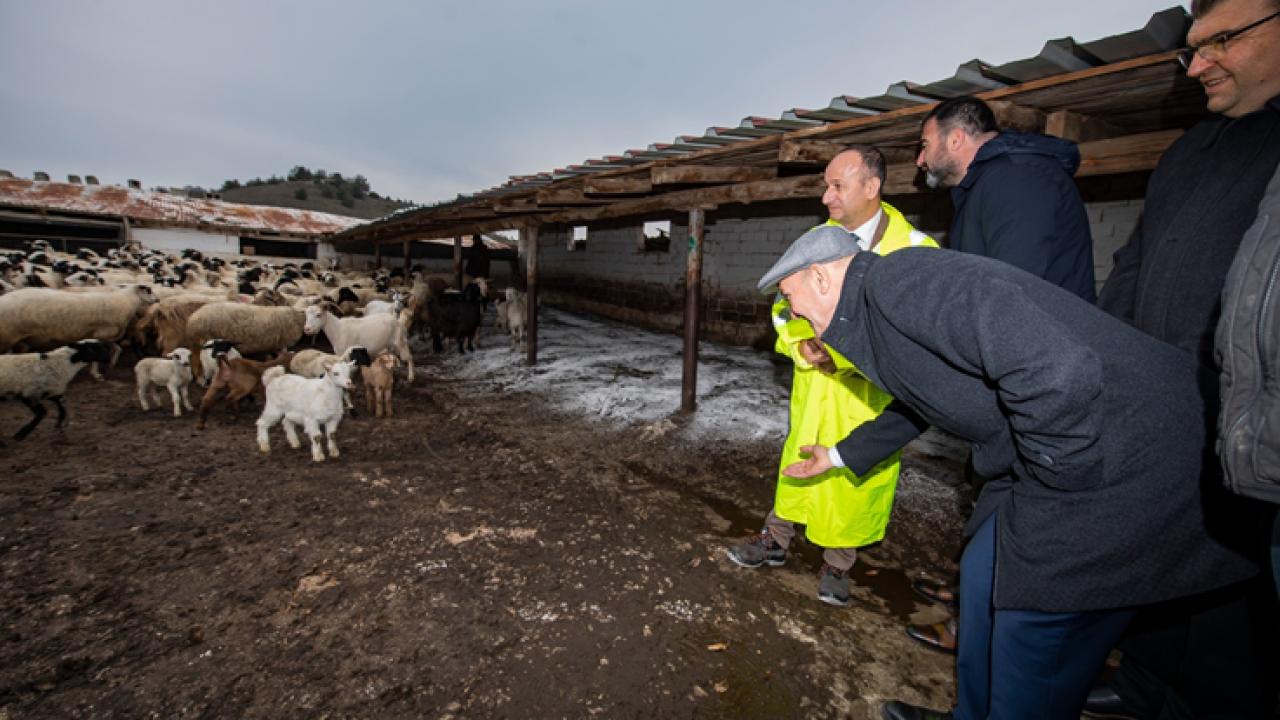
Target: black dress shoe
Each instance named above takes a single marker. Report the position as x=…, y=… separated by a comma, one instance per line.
x=1104, y=703
x=898, y=710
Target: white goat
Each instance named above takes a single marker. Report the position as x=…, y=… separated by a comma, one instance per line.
x=376, y=333
x=173, y=372
x=397, y=303
x=513, y=311
x=310, y=402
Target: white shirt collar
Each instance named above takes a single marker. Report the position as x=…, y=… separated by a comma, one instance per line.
x=867, y=230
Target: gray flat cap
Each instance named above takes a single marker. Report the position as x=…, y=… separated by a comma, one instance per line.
x=820, y=245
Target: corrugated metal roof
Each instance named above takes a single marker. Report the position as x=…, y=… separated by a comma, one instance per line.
x=1144, y=98
x=1164, y=31
x=150, y=206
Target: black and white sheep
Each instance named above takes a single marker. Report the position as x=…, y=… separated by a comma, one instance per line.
x=36, y=377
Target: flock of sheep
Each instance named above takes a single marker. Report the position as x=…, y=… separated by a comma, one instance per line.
x=232, y=326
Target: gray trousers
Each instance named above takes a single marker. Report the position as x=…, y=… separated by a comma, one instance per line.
x=783, y=531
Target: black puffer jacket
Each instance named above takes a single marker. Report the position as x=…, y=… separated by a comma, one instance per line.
x=1018, y=203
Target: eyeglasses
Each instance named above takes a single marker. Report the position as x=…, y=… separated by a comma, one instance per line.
x=1216, y=46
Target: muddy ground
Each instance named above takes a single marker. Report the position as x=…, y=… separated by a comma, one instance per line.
x=479, y=555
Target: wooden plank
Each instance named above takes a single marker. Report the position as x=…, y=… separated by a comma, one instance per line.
x=516, y=205
x=1079, y=128
x=617, y=186
x=1125, y=154
x=809, y=152
x=901, y=179
x=798, y=186
x=565, y=196
x=704, y=174
x=1012, y=116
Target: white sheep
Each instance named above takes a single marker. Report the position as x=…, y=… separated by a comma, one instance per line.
x=173, y=372
x=310, y=402
x=253, y=329
x=43, y=319
x=36, y=377
x=376, y=333
x=314, y=363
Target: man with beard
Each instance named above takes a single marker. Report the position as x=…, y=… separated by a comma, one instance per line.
x=1013, y=194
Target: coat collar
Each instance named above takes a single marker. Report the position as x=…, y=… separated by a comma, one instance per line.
x=847, y=332
x=1222, y=124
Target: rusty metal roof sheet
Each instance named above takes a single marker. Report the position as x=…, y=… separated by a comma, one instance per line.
x=158, y=207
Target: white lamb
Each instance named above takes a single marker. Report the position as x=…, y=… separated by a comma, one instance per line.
x=310, y=402
x=173, y=372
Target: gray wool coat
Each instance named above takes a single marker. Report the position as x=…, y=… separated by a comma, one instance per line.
x=1091, y=429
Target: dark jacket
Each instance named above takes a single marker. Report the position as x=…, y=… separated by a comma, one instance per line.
x=1248, y=349
x=1168, y=278
x=1018, y=203
x=1090, y=429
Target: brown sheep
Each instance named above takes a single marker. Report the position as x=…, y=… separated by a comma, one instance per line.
x=379, y=378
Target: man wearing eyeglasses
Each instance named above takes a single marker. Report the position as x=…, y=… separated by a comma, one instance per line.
x=1209, y=655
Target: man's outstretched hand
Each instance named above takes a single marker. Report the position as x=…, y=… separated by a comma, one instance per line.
x=816, y=461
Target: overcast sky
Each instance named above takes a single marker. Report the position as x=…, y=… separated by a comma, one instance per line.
x=429, y=99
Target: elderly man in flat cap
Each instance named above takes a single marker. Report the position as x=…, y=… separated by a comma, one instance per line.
x=1090, y=430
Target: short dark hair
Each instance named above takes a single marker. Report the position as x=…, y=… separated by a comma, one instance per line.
x=872, y=161
x=1200, y=7
x=967, y=113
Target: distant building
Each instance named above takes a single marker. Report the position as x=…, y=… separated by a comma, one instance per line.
x=72, y=215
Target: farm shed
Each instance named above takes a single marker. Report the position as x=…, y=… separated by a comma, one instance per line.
x=732, y=198
x=76, y=214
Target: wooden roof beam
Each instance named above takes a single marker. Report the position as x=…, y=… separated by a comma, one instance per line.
x=799, y=186
x=808, y=152
x=710, y=174
x=1079, y=128
x=565, y=196
x=1012, y=116
x=617, y=186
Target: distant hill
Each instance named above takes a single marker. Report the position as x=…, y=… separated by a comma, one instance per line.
x=314, y=190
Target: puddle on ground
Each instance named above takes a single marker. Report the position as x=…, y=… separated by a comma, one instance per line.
x=890, y=584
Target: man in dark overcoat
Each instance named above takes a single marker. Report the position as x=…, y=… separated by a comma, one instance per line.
x=1090, y=430
x=1215, y=655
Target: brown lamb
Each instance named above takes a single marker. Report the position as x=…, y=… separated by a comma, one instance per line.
x=238, y=378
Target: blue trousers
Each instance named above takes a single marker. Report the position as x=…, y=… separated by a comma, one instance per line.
x=1023, y=664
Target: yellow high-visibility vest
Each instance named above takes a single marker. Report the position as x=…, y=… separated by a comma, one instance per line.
x=838, y=509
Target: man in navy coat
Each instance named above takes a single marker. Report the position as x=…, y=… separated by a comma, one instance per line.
x=1080, y=420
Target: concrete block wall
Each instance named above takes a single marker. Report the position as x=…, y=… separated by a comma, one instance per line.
x=1112, y=224
x=612, y=277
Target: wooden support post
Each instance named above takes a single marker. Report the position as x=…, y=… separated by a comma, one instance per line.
x=529, y=234
x=405, y=267
x=457, y=261
x=692, y=310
